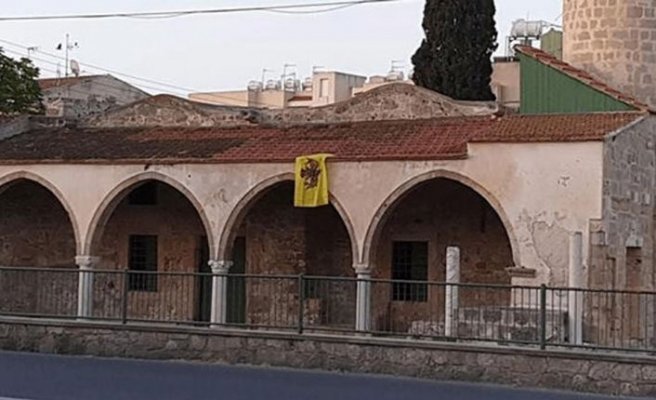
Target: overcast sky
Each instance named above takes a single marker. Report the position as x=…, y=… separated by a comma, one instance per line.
x=217, y=52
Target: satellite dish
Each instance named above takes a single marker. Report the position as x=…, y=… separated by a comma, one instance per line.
x=75, y=68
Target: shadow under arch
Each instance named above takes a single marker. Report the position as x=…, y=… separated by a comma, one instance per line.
x=117, y=194
x=229, y=232
x=388, y=206
x=8, y=180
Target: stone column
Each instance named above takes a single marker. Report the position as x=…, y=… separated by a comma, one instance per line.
x=85, y=285
x=363, y=298
x=220, y=269
x=451, y=297
x=575, y=298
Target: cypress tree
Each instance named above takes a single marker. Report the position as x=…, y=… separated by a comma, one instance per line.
x=455, y=56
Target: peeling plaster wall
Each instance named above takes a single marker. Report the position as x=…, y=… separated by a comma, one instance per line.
x=542, y=191
x=628, y=211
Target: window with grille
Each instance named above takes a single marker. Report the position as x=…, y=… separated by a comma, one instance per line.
x=144, y=195
x=410, y=263
x=142, y=258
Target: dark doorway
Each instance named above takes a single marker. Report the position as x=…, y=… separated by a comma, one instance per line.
x=204, y=282
x=237, y=284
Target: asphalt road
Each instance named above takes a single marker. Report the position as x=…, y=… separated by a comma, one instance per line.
x=36, y=377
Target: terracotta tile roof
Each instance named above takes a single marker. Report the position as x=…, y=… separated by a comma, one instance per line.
x=49, y=83
x=441, y=138
x=556, y=127
x=581, y=75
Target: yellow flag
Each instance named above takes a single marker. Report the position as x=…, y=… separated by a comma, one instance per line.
x=311, y=176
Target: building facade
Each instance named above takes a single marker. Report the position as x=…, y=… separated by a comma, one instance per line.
x=174, y=196
x=83, y=96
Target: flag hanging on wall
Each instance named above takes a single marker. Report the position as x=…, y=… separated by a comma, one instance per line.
x=311, y=176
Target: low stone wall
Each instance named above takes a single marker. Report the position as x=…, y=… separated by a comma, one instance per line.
x=593, y=372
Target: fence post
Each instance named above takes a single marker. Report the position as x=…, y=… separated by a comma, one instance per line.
x=301, y=302
x=219, y=291
x=574, y=301
x=85, y=285
x=363, y=298
x=124, y=296
x=543, y=316
x=451, y=292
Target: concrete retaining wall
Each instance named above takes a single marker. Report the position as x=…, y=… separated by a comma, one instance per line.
x=593, y=372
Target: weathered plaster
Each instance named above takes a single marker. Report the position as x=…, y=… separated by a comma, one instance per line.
x=555, y=183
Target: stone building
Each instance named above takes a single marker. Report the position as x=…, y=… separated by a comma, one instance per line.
x=615, y=41
x=82, y=96
x=172, y=186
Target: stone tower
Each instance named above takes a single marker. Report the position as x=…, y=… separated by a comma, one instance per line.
x=614, y=40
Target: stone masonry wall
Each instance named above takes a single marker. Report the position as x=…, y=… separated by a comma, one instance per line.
x=443, y=213
x=395, y=101
x=180, y=233
x=283, y=240
x=35, y=231
x=614, y=40
x=608, y=374
x=622, y=244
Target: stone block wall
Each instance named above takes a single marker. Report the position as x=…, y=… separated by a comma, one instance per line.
x=443, y=213
x=283, y=240
x=35, y=231
x=388, y=102
x=571, y=370
x=621, y=244
x=180, y=235
x=614, y=40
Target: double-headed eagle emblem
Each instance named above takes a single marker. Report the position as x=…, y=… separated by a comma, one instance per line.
x=310, y=173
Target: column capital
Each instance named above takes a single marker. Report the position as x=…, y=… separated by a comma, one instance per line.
x=86, y=262
x=362, y=269
x=220, y=266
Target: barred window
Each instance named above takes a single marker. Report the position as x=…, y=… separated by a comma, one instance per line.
x=410, y=263
x=142, y=257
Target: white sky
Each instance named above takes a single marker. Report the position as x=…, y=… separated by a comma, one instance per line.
x=217, y=52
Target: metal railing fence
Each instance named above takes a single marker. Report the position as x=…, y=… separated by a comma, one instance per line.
x=538, y=316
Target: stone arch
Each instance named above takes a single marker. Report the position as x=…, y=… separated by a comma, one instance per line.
x=378, y=221
x=12, y=178
x=241, y=209
x=114, y=197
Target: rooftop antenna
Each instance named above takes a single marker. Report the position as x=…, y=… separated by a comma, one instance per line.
x=284, y=76
x=264, y=72
x=397, y=65
x=68, y=46
x=284, y=70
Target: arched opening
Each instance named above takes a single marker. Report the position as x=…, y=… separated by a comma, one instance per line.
x=410, y=242
x=273, y=238
x=36, y=232
x=153, y=231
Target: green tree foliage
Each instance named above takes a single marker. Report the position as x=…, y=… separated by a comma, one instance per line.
x=455, y=56
x=19, y=89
